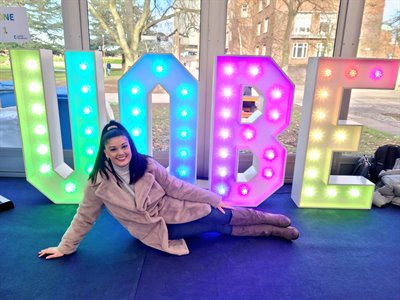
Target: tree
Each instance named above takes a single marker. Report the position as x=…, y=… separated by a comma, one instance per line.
x=125, y=21
x=288, y=10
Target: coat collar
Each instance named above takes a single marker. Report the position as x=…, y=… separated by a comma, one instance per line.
x=109, y=189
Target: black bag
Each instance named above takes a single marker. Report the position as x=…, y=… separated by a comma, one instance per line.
x=362, y=167
x=384, y=159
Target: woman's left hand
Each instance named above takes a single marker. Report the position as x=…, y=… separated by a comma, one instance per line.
x=222, y=205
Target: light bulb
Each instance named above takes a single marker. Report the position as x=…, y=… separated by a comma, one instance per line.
x=274, y=114
x=276, y=94
x=87, y=110
x=227, y=92
x=312, y=173
x=42, y=149
x=31, y=64
x=136, y=132
x=34, y=87
x=249, y=134
x=39, y=129
x=331, y=192
x=244, y=190
x=223, y=153
x=135, y=112
x=223, y=172
x=37, y=109
x=314, y=155
x=254, y=71
x=309, y=191
x=269, y=154
x=317, y=135
x=225, y=133
x=70, y=187
x=226, y=113
x=228, y=70
x=354, y=192
x=85, y=89
x=327, y=73
x=222, y=189
x=44, y=168
x=268, y=173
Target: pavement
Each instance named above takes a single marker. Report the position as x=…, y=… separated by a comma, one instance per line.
x=377, y=109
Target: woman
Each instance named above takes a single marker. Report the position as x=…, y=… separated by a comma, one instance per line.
x=155, y=207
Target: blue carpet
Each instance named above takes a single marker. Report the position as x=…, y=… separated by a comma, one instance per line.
x=341, y=254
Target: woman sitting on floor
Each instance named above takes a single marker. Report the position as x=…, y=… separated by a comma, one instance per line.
x=155, y=207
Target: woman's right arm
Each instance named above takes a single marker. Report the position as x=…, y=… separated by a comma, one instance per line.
x=85, y=217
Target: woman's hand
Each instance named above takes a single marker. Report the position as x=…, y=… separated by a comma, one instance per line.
x=51, y=253
x=222, y=205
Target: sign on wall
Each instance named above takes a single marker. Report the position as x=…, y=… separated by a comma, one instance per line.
x=14, y=25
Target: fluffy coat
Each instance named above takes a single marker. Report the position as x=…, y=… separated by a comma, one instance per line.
x=160, y=199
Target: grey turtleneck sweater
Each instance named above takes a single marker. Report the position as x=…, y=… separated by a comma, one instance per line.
x=123, y=173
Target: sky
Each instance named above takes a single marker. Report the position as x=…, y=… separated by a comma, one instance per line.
x=391, y=6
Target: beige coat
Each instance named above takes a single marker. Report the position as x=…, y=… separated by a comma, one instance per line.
x=160, y=199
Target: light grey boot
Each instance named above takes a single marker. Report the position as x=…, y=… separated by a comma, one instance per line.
x=248, y=216
x=289, y=233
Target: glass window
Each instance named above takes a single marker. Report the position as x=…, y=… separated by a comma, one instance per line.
x=170, y=27
x=280, y=43
x=378, y=110
x=302, y=24
x=320, y=50
x=245, y=10
x=257, y=50
x=260, y=5
x=327, y=24
x=300, y=50
x=266, y=20
x=258, y=28
x=46, y=31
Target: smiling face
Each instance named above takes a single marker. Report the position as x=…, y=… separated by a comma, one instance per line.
x=117, y=149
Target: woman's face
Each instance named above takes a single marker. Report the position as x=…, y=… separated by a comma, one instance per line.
x=117, y=149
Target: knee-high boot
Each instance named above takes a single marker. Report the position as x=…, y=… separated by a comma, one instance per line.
x=289, y=233
x=248, y=216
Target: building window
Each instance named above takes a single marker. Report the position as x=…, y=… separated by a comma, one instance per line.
x=258, y=28
x=302, y=24
x=327, y=24
x=260, y=5
x=268, y=3
x=321, y=49
x=264, y=50
x=257, y=50
x=245, y=10
x=266, y=21
x=300, y=50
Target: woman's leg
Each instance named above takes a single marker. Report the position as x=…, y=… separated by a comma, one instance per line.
x=238, y=222
x=249, y=216
x=214, y=221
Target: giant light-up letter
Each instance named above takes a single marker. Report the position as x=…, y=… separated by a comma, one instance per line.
x=135, y=89
x=322, y=133
x=36, y=98
x=258, y=135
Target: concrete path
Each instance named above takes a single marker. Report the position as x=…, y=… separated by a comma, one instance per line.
x=377, y=109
